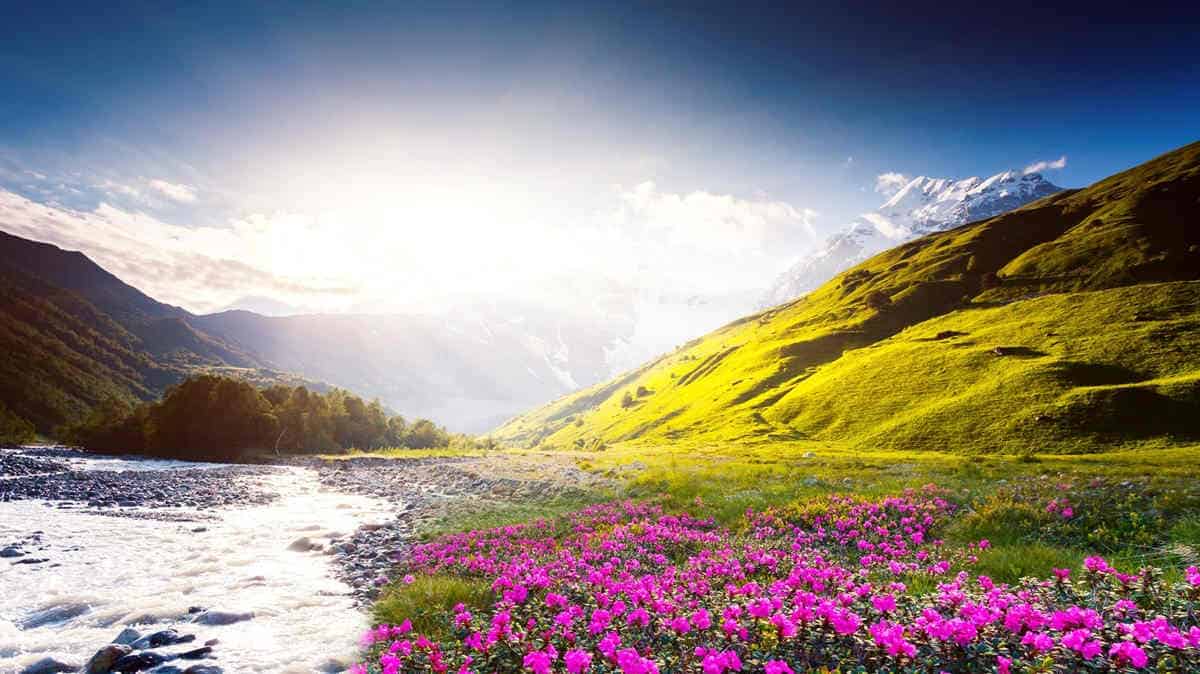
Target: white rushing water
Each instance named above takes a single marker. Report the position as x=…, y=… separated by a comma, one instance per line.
x=117, y=571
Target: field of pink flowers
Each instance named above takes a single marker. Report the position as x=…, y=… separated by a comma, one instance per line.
x=842, y=584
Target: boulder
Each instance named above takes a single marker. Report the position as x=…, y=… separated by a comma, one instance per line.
x=221, y=617
x=48, y=666
x=127, y=636
x=136, y=662
x=52, y=615
x=197, y=653
x=162, y=638
x=303, y=544
x=104, y=659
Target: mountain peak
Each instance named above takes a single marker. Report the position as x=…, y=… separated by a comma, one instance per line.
x=924, y=205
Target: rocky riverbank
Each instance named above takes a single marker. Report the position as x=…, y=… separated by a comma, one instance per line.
x=429, y=489
x=53, y=474
x=16, y=465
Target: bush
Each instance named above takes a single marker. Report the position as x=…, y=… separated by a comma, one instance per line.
x=878, y=300
x=13, y=429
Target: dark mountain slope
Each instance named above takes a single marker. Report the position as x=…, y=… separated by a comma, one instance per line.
x=61, y=355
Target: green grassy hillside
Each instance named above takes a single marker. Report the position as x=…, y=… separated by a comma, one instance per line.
x=1068, y=325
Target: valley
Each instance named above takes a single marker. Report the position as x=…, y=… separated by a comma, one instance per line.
x=599, y=338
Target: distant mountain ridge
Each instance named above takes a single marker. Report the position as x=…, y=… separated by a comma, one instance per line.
x=75, y=335
x=923, y=206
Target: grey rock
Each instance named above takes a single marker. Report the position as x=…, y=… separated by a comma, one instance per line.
x=127, y=636
x=11, y=551
x=221, y=617
x=302, y=544
x=104, y=659
x=136, y=662
x=162, y=638
x=48, y=666
x=203, y=669
x=52, y=615
x=196, y=653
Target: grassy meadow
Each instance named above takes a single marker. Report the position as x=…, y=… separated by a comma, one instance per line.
x=1137, y=507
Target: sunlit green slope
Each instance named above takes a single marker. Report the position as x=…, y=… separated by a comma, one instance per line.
x=1071, y=324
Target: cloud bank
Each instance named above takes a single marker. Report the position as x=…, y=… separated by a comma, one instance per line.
x=174, y=191
x=429, y=250
x=890, y=183
x=1039, y=166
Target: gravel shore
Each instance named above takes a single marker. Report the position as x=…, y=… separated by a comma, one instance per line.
x=428, y=489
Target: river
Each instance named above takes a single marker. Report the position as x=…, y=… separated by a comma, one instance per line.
x=106, y=568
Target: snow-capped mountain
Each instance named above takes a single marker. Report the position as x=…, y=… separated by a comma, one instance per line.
x=922, y=206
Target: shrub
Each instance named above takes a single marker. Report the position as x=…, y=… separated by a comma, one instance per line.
x=13, y=429
x=878, y=300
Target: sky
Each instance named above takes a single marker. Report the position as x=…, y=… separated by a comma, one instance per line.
x=419, y=157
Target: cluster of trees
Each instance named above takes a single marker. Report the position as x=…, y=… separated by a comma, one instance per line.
x=13, y=429
x=211, y=417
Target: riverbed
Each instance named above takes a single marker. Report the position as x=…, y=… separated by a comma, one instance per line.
x=86, y=571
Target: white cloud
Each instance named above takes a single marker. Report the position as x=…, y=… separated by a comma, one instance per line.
x=199, y=268
x=713, y=222
x=115, y=189
x=179, y=192
x=700, y=257
x=1039, y=166
x=890, y=183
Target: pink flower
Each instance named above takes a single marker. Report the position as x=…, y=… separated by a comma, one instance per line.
x=638, y=616
x=537, y=662
x=884, y=603
x=1002, y=664
x=845, y=622
x=578, y=661
x=409, y=579
x=1038, y=642
x=775, y=667
x=1127, y=653
x=600, y=621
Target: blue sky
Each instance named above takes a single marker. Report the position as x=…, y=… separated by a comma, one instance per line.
x=403, y=155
